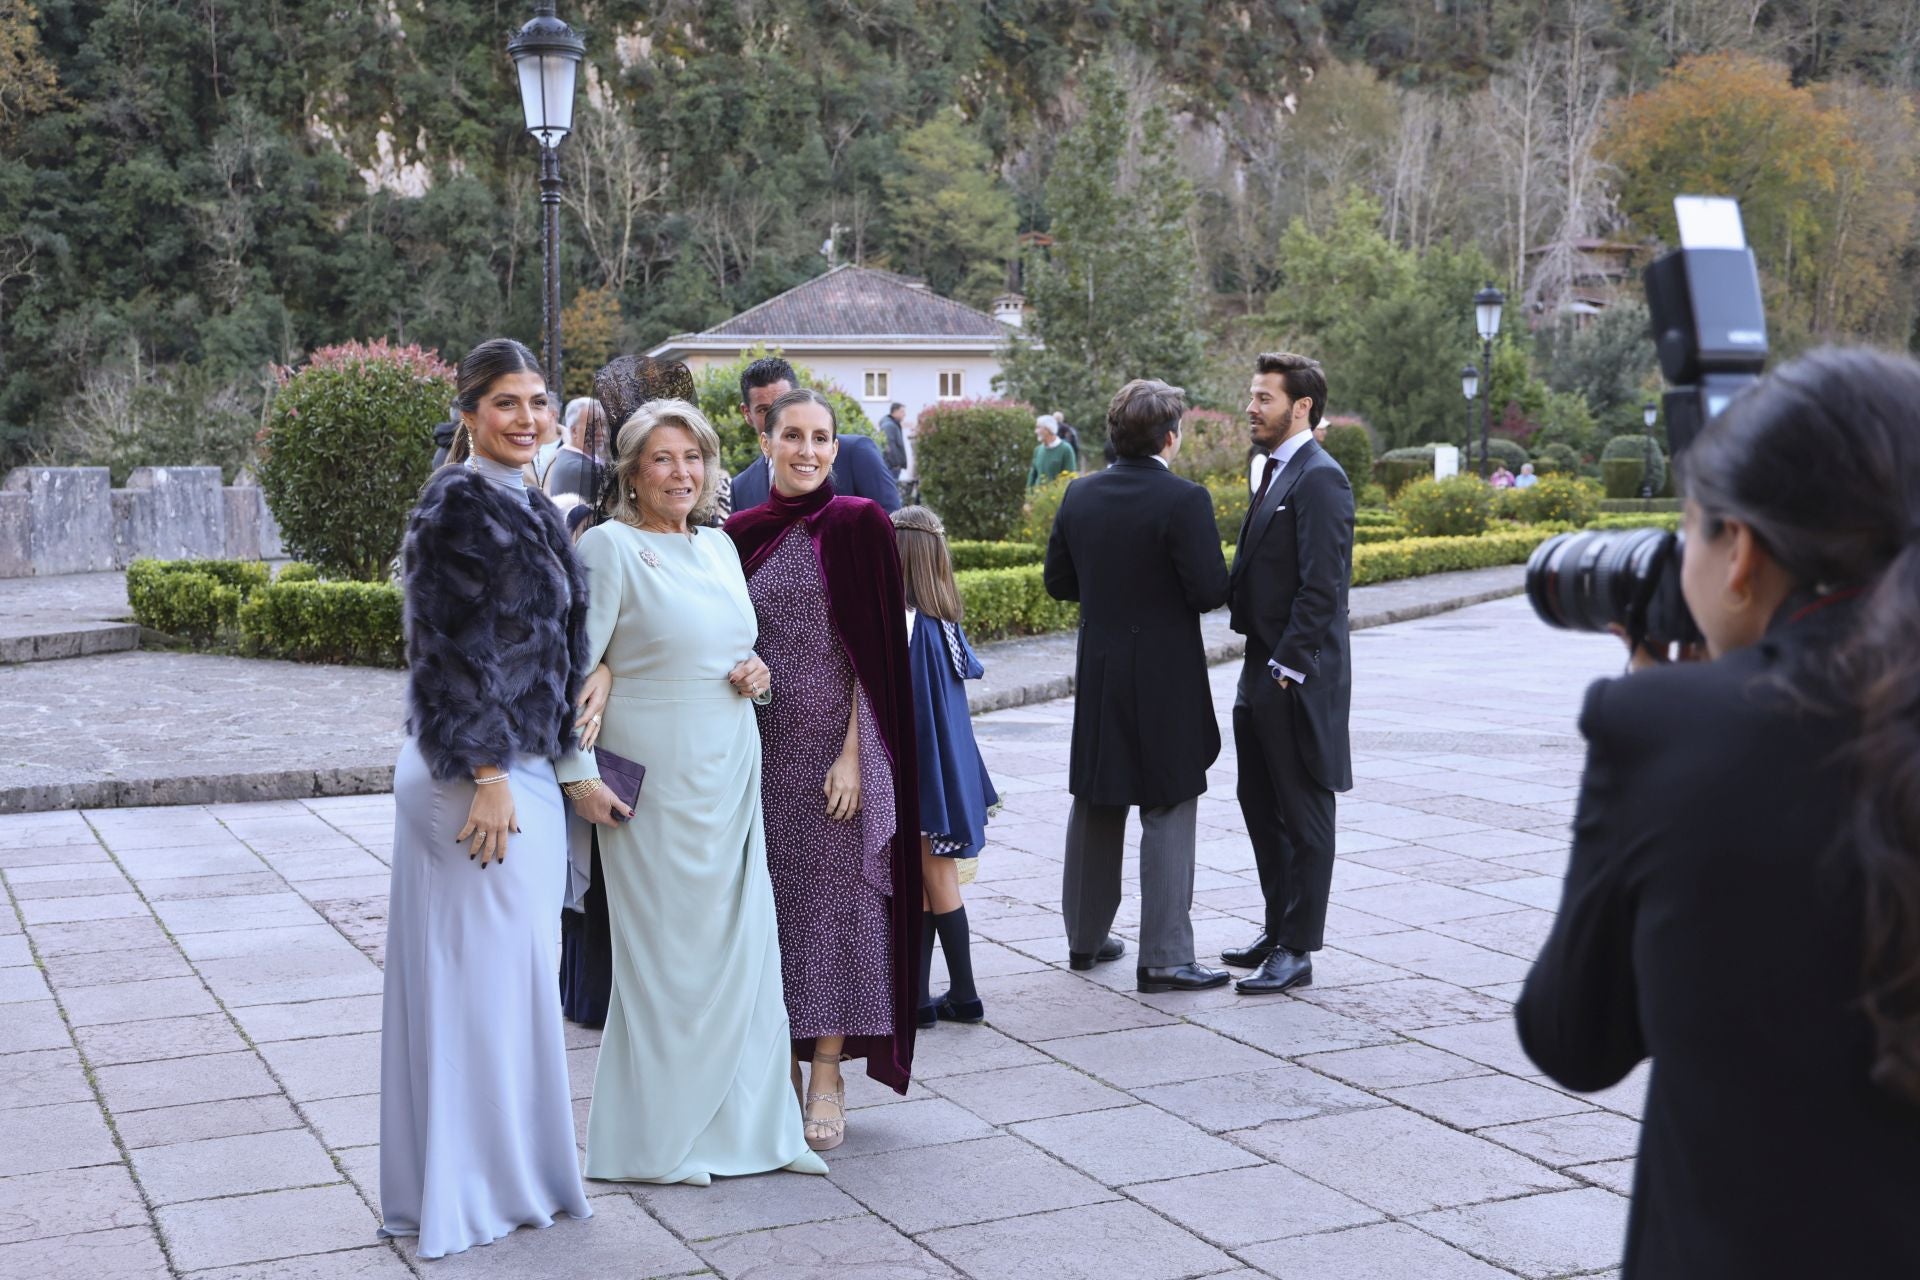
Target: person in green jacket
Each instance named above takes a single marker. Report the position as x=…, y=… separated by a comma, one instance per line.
x=1052, y=456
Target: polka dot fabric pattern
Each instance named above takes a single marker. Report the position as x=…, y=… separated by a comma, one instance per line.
x=831, y=879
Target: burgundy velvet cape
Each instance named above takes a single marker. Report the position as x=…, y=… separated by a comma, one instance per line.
x=860, y=569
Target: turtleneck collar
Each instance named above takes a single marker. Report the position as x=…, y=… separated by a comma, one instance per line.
x=497, y=473
x=791, y=509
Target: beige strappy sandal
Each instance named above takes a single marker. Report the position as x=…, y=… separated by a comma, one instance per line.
x=826, y=1133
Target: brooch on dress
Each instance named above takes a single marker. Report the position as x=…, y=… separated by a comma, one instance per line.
x=649, y=559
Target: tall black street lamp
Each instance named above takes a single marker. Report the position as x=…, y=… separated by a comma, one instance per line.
x=547, y=53
x=1649, y=412
x=1486, y=318
x=1470, y=388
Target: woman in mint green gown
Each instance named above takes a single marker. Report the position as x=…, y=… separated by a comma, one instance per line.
x=693, y=1078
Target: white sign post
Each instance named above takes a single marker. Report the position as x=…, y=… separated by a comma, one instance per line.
x=1446, y=461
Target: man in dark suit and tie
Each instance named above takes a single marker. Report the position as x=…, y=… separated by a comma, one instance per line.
x=1136, y=545
x=858, y=472
x=1288, y=595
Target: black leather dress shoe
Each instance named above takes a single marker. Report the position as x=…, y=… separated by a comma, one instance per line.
x=1112, y=949
x=1251, y=956
x=1185, y=977
x=1279, y=972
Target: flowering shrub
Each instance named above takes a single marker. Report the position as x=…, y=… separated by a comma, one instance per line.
x=347, y=445
x=1455, y=507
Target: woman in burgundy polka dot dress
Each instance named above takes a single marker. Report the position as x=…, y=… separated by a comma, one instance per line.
x=839, y=782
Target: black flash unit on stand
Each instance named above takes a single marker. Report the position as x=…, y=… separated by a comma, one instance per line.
x=1709, y=324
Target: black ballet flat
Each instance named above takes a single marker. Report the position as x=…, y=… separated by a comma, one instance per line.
x=951, y=1010
x=926, y=1015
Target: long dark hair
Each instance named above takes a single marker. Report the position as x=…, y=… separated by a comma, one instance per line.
x=479, y=369
x=1822, y=461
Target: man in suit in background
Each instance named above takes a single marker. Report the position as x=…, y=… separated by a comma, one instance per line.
x=859, y=471
x=1136, y=545
x=1289, y=599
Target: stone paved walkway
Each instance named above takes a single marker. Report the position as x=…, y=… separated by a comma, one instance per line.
x=154, y=727
x=189, y=1036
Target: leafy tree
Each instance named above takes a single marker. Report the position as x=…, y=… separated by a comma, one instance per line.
x=1114, y=297
x=952, y=222
x=1609, y=363
x=1735, y=125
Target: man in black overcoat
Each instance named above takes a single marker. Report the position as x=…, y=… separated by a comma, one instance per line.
x=1136, y=545
x=1289, y=599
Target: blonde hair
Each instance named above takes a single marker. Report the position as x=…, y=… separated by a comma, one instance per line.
x=926, y=567
x=631, y=441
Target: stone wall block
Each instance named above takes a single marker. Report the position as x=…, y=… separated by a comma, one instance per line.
x=171, y=513
x=16, y=535
x=70, y=517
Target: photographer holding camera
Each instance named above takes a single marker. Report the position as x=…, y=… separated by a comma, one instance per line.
x=1743, y=899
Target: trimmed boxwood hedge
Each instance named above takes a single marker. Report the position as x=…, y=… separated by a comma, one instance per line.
x=195, y=600
x=1012, y=602
x=993, y=555
x=312, y=621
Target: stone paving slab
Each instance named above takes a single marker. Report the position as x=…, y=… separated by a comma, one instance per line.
x=111, y=729
x=188, y=1040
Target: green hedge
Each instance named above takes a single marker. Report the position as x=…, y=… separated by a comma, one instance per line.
x=1417, y=557
x=1459, y=506
x=1618, y=506
x=994, y=555
x=357, y=622
x=1640, y=449
x=1364, y=518
x=193, y=599
x=1668, y=520
x=1367, y=534
x=973, y=458
x=1012, y=602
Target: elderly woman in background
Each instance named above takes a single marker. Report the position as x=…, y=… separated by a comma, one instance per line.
x=694, y=1061
x=496, y=614
x=842, y=787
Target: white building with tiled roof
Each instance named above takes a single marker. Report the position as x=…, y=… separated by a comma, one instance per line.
x=882, y=337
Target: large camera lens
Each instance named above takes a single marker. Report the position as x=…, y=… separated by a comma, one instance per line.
x=1629, y=578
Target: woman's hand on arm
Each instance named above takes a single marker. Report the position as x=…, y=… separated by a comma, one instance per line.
x=843, y=779
x=490, y=818
x=593, y=705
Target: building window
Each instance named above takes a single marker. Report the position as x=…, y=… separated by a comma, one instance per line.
x=876, y=384
x=950, y=383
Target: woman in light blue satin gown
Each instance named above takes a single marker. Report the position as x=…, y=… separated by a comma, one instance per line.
x=693, y=1080
x=476, y=1122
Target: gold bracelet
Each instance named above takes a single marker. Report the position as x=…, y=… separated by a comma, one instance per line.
x=581, y=789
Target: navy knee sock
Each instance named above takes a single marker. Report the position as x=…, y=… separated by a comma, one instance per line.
x=957, y=946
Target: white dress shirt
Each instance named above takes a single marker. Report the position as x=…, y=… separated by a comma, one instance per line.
x=1282, y=455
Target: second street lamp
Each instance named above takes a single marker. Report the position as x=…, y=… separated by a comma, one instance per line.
x=1486, y=318
x=1649, y=413
x=1469, y=387
x=546, y=56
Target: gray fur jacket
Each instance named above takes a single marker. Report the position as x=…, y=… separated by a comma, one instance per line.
x=496, y=625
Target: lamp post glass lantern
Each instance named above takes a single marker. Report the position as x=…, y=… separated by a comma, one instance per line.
x=1487, y=305
x=1649, y=414
x=546, y=55
x=1470, y=388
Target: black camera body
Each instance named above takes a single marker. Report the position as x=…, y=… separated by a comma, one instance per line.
x=1710, y=329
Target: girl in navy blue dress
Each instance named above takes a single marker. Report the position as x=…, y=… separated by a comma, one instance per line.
x=955, y=791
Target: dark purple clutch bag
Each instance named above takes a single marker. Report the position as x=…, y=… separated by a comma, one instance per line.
x=620, y=775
